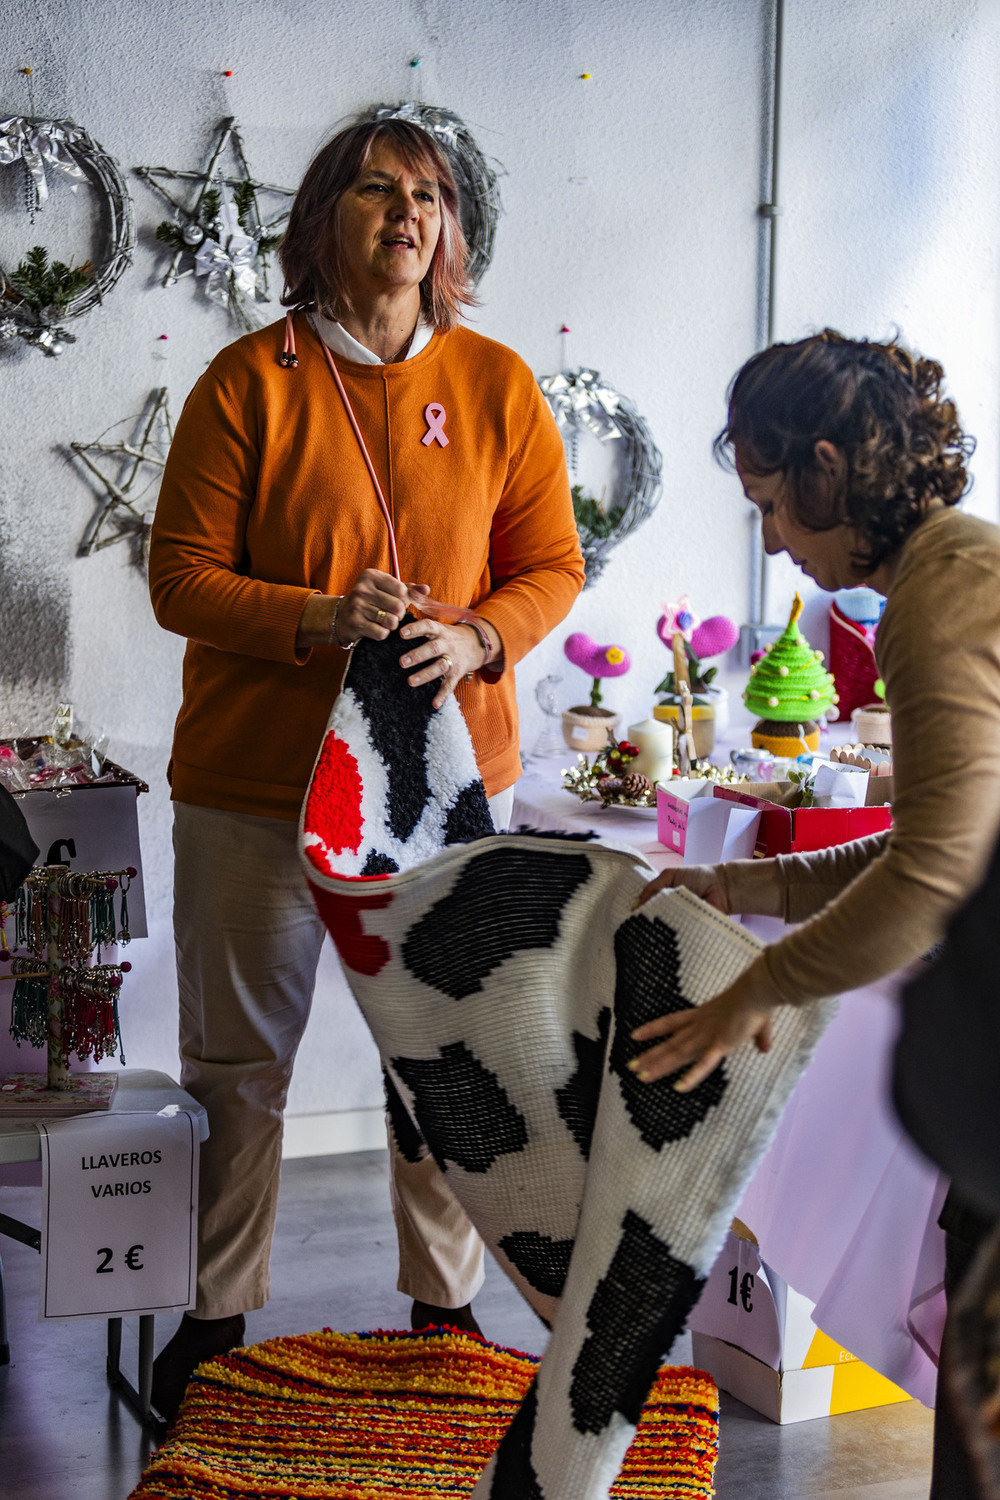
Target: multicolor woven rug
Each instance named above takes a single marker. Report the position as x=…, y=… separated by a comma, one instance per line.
x=396, y=1416
x=502, y=978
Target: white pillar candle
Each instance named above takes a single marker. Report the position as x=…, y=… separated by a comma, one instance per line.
x=655, y=742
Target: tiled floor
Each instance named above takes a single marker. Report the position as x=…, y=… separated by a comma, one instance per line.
x=63, y=1436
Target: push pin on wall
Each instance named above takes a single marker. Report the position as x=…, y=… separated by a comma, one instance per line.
x=161, y=346
x=564, y=330
x=586, y=75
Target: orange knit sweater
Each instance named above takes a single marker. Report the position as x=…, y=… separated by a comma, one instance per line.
x=266, y=500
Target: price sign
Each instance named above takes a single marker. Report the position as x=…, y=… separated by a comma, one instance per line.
x=90, y=828
x=120, y=1201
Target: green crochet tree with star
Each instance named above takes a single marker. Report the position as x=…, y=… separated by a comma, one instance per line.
x=789, y=689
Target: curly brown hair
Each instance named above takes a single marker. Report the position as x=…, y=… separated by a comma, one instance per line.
x=310, y=250
x=882, y=406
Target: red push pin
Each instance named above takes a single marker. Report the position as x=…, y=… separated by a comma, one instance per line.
x=131, y=872
x=227, y=73
x=163, y=338
x=126, y=967
x=564, y=329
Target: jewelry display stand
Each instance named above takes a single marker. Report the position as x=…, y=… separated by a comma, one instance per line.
x=62, y=1000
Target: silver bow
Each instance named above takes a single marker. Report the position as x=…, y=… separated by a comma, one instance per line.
x=439, y=122
x=229, y=262
x=39, y=143
x=579, y=399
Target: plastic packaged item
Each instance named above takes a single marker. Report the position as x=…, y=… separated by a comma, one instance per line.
x=13, y=772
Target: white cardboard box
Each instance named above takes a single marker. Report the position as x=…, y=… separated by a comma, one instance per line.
x=755, y=1336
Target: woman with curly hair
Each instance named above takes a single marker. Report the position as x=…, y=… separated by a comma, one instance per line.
x=856, y=461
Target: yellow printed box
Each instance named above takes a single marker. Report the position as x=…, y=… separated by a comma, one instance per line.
x=755, y=1336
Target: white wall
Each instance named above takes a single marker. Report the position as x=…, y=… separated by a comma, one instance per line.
x=629, y=215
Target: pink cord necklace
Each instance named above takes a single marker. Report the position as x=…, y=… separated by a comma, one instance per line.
x=289, y=360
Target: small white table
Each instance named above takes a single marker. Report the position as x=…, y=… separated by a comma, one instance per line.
x=843, y=1205
x=139, y=1091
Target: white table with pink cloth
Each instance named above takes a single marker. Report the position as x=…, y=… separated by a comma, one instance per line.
x=843, y=1205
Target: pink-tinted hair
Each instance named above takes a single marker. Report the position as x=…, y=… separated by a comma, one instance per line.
x=310, y=251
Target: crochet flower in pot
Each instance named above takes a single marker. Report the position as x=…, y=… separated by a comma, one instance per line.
x=702, y=639
x=586, y=726
x=789, y=689
x=693, y=640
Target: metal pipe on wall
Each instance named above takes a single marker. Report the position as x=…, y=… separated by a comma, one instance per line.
x=768, y=211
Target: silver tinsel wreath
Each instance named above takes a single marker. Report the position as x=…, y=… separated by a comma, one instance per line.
x=582, y=402
x=44, y=146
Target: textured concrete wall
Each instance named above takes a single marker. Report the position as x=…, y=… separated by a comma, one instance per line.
x=629, y=214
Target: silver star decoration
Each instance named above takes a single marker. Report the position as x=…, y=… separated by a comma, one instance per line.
x=125, y=507
x=187, y=215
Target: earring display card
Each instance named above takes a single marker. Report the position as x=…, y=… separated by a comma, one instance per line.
x=119, y=1211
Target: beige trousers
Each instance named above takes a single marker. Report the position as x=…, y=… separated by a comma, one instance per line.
x=248, y=940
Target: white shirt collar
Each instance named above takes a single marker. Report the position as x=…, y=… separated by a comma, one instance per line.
x=339, y=341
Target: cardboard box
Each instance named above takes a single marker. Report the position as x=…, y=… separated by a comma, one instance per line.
x=755, y=1336
x=91, y=827
x=785, y=830
x=691, y=821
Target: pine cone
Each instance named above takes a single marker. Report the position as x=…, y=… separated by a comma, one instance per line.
x=636, y=785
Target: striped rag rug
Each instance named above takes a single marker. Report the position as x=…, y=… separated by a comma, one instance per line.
x=396, y=1416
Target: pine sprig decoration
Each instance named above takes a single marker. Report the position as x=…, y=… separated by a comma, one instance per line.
x=169, y=233
x=39, y=284
x=249, y=219
x=592, y=520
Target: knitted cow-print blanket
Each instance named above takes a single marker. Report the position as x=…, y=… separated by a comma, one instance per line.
x=502, y=976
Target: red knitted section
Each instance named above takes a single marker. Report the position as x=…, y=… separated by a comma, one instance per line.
x=852, y=662
x=333, y=806
x=365, y=953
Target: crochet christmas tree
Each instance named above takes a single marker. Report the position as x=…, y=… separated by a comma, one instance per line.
x=789, y=688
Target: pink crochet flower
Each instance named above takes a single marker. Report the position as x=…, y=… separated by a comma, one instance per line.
x=713, y=636
x=676, y=618
x=596, y=661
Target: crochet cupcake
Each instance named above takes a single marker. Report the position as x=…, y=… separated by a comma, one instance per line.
x=789, y=688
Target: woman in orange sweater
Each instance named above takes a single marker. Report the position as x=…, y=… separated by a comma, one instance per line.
x=271, y=555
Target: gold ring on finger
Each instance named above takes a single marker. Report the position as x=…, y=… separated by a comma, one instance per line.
x=446, y=663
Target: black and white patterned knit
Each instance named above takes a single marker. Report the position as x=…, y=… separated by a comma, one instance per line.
x=502, y=977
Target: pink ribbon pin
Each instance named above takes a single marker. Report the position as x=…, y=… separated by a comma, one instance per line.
x=435, y=416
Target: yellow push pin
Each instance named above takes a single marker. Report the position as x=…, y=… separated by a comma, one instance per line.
x=586, y=75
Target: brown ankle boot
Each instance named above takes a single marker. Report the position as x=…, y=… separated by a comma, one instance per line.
x=196, y=1339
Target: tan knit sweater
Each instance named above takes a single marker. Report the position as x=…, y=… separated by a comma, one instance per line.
x=869, y=907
